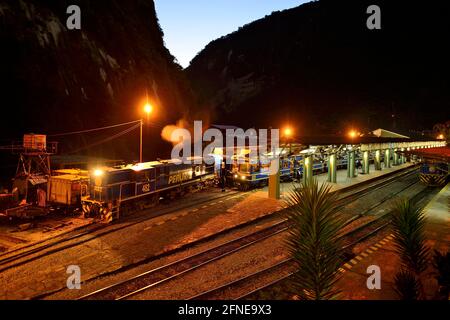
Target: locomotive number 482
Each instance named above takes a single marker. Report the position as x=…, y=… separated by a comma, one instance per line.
x=146, y=187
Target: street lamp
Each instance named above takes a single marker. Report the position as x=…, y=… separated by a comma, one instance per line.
x=148, y=109
x=352, y=134
x=287, y=132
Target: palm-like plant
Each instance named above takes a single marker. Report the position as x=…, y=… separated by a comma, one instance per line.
x=409, y=225
x=408, y=221
x=406, y=285
x=314, y=241
x=441, y=263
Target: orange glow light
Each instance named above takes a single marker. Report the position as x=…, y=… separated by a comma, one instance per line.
x=352, y=134
x=440, y=137
x=288, y=132
x=148, y=108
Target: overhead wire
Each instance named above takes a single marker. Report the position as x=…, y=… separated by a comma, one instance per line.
x=105, y=140
x=94, y=129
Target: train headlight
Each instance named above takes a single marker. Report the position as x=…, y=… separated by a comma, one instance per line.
x=98, y=173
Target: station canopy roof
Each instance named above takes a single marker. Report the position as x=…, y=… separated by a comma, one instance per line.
x=383, y=133
x=376, y=136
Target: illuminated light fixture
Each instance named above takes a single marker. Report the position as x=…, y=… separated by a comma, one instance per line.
x=288, y=132
x=148, y=108
x=137, y=167
x=440, y=137
x=352, y=134
x=235, y=176
x=243, y=177
x=98, y=172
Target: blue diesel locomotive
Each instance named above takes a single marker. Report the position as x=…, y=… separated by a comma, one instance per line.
x=117, y=191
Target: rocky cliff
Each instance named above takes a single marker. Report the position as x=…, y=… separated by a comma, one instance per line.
x=55, y=80
x=319, y=66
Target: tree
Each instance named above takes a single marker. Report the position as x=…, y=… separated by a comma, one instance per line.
x=314, y=241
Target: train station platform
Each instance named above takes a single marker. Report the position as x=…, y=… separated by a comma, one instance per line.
x=343, y=181
x=381, y=252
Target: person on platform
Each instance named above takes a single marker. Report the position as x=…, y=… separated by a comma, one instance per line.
x=222, y=176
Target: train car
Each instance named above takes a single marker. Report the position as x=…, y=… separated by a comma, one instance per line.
x=319, y=166
x=66, y=188
x=254, y=174
x=434, y=173
x=120, y=190
x=247, y=175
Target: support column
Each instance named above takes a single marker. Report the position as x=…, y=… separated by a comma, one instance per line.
x=274, y=180
x=387, y=158
x=308, y=170
x=351, y=164
x=396, y=161
x=377, y=160
x=366, y=162
x=332, y=168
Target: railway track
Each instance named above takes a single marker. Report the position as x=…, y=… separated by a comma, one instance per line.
x=127, y=288
x=131, y=287
x=285, y=268
x=36, y=250
x=40, y=249
x=281, y=271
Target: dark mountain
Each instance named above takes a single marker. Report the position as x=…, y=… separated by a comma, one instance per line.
x=58, y=80
x=319, y=67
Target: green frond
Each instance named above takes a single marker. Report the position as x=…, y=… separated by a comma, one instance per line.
x=314, y=241
x=409, y=223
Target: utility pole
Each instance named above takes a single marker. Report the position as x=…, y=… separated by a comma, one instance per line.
x=140, y=141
